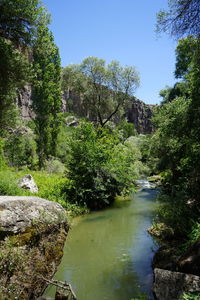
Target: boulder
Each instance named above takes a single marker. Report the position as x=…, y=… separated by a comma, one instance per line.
x=17, y=213
x=32, y=236
x=27, y=182
x=172, y=285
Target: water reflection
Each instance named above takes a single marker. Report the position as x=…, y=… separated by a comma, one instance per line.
x=108, y=253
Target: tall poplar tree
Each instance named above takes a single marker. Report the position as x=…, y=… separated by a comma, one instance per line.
x=46, y=92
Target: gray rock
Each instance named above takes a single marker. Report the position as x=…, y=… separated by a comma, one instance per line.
x=17, y=213
x=171, y=285
x=27, y=182
x=140, y=115
x=24, y=102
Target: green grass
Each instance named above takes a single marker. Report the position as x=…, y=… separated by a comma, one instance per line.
x=50, y=187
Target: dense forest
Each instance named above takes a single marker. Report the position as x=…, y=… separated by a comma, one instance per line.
x=84, y=167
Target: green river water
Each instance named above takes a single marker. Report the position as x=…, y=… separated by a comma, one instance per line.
x=108, y=254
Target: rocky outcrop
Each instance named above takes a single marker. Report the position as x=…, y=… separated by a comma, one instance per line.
x=138, y=112
x=32, y=237
x=24, y=103
x=27, y=182
x=172, y=285
x=140, y=115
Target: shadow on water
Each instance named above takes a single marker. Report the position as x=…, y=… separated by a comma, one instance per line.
x=108, y=254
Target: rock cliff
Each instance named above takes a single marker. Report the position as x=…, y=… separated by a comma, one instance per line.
x=140, y=115
x=32, y=236
x=24, y=103
x=138, y=112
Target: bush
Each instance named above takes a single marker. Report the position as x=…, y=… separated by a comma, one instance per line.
x=20, y=148
x=53, y=166
x=127, y=129
x=92, y=184
x=100, y=167
x=125, y=165
x=8, y=184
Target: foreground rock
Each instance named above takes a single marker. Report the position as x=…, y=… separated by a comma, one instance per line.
x=32, y=236
x=172, y=285
x=27, y=182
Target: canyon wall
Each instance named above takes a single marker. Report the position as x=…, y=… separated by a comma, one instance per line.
x=137, y=113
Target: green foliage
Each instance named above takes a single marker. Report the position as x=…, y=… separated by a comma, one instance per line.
x=103, y=89
x=100, y=167
x=127, y=129
x=173, y=211
x=18, y=22
x=54, y=165
x=46, y=92
x=14, y=70
x=125, y=165
x=177, y=142
x=191, y=296
x=91, y=183
x=2, y=158
x=19, y=19
x=8, y=184
x=185, y=51
x=20, y=148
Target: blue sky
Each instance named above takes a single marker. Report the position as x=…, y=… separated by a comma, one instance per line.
x=122, y=30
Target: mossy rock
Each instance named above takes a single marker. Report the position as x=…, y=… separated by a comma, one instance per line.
x=161, y=231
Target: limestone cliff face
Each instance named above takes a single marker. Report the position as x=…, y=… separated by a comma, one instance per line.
x=24, y=103
x=140, y=115
x=138, y=112
x=32, y=237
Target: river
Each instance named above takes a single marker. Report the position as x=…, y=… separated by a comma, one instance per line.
x=108, y=254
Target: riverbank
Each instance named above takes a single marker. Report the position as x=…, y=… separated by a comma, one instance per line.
x=176, y=264
x=32, y=237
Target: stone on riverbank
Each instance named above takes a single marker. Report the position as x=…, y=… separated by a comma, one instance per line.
x=171, y=285
x=32, y=237
x=27, y=182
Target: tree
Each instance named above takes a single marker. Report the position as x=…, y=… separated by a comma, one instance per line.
x=92, y=183
x=18, y=22
x=14, y=71
x=103, y=89
x=182, y=18
x=46, y=92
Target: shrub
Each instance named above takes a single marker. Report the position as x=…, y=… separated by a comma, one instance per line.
x=100, y=167
x=8, y=184
x=54, y=165
x=125, y=165
x=92, y=184
x=20, y=148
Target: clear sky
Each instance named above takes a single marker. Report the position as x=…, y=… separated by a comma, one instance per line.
x=122, y=30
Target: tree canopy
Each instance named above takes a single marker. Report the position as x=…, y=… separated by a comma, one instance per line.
x=19, y=20
x=103, y=88
x=182, y=18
